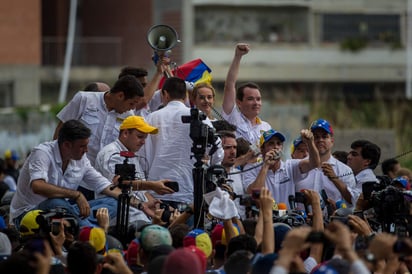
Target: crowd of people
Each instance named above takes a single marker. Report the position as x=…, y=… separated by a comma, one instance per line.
x=135, y=150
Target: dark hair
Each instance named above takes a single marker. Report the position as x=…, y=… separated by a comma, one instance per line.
x=226, y=134
x=239, y=92
x=178, y=232
x=129, y=85
x=243, y=146
x=388, y=165
x=73, y=130
x=81, y=258
x=341, y=156
x=238, y=263
x=223, y=125
x=134, y=71
x=91, y=87
x=175, y=87
x=370, y=151
x=241, y=242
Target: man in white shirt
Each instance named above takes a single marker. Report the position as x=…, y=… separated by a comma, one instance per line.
x=102, y=112
x=51, y=174
x=362, y=159
x=133, y=133
x=168, y=153
x=277, y=175
x=248, y=100
x=333, y=176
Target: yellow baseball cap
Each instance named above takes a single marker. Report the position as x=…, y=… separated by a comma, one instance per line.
x=138, y=122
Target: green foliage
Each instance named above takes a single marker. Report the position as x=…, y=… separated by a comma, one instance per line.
x=393, y=114
x=56, y=108
x=353, y=44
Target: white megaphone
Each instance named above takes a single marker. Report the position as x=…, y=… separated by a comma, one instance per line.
x=162, y=37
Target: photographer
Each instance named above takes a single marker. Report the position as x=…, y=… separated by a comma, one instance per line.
x=133, y=133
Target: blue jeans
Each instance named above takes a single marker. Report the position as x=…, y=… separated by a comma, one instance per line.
x=108, y=202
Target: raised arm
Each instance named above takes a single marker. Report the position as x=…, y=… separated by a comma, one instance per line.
x=314, y=159
x=162, y=67
x=229, y=94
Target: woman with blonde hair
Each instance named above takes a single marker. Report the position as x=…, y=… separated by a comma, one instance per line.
x=203, y=97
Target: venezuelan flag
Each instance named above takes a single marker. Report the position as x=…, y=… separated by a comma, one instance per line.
x=195, y=71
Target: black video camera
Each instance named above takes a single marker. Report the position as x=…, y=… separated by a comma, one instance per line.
x=50, y=222
x=125, y=170
x=201, y=134
x=216, y=176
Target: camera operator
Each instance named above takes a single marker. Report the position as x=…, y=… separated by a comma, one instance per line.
x=133, y=133
x=168, y=153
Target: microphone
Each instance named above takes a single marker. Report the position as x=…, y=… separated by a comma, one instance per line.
x=127, y=154
x=291, y=202
x=278, y=154
x=282, y=209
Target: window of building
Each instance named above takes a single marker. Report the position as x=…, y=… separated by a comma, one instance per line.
x=6, y=94
x=375, y=29
x=266, y=25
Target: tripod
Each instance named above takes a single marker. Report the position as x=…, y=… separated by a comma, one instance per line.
x=198, y=173
x=127, y=173
x=123, y=205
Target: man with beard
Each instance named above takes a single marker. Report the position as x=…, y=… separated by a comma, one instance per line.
x=229, y=145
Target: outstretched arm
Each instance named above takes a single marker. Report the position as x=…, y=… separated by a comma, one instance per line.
x=229, y=94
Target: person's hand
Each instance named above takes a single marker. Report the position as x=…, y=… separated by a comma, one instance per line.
x=157, y=216
x=242, y=49
x=295, y=240
x=42, y=264
x=115, y=180
x=381, y=246
x=361, y=203
x=83, y=205
x=103, y=219
x=265, y=201
x=312, y=197
x=328, y=171
x=359, y=225
x=58, y=240
x=160, y=188
x=174, y=216
x=116, y=264
x=339, y=234
x=306, y=136
x=271, y=157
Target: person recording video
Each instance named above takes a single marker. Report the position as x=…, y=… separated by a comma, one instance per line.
x=133, y=133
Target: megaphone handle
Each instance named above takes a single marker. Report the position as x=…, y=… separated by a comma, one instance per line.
x=155, y=57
